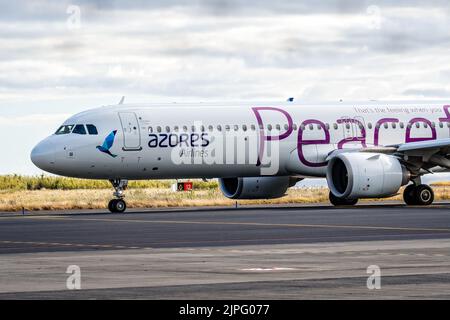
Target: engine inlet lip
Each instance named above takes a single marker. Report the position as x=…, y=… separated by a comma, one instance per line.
x=330, y=180
x=231, y=194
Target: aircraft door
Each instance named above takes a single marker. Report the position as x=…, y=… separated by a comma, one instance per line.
x=131, y=131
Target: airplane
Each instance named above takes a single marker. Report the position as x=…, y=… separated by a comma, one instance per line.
x=258, y=150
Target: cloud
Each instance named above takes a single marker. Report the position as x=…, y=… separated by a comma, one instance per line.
x=428, y=93
x=180, y=50
x=32, y=119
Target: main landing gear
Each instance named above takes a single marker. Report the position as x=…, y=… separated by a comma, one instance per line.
x=420, y=194
x=341, y=201
x=118, y=205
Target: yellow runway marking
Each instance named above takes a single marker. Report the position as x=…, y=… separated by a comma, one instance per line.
x=79, y=245
x=255, y=224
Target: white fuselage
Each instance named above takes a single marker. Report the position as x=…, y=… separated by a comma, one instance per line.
x=230, y=140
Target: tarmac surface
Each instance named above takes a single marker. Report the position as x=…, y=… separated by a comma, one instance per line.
x=290, y=252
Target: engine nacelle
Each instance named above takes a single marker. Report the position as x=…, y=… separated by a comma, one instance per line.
x=355, y=175
x=256, y=188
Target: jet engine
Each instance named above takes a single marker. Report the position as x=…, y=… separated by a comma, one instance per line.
x=354, y=175
x=256, y=188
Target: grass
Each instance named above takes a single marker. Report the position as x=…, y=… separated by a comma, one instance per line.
x=53, y=193
x=16, y=182
x=33, y=200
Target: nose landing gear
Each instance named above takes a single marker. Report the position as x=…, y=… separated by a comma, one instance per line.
x=118, y=205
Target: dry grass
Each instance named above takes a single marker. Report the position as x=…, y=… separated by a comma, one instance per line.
x=34, y=200
x=441, y=184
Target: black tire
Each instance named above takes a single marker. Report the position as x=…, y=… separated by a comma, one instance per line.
x=340, y=201
x=117, y=206
x=120, y=206
x=410, y=195
x=351, y=202
x=111, y=205
x=424, y=195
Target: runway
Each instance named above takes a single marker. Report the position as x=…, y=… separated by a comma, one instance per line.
x=288, y=252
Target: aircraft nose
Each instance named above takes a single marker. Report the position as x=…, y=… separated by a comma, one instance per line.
x=43, y=155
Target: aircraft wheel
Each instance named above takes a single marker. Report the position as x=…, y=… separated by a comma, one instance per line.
x=111, y=206
x=117, y=206
x=425, y=195
x=340, y=201
x=410, y=195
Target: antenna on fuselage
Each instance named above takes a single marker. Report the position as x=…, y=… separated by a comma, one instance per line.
x=122, y=100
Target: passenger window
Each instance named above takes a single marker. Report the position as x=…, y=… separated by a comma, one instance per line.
x=402, y=125
x=253, y=127
x=210, y=128
x=369, y=125
x=294, y=127
x=385, y=125
x=244, y=127
x=158, y=128
x=417, y=125
x=441, y=125
x=311, y=127
x=219, y=128
x=64, y=129
x=167, y=129
x=278, y=127
x=335, y=126
x=269, y=127
x=394, y=125
x=79, y=129
x=150, y=130
x=92, y=129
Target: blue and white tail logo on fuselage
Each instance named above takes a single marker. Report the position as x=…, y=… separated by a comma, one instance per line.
x=108, y=143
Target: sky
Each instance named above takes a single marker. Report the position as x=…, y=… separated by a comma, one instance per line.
x=61, y=57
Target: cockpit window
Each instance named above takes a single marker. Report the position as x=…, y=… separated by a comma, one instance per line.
x=92, y=129
x=66, y=129
x=79, y=129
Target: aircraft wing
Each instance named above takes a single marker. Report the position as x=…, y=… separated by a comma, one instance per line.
x=425, y=145
x=421, y=155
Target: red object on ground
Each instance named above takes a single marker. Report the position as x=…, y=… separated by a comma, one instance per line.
x=185, y=186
